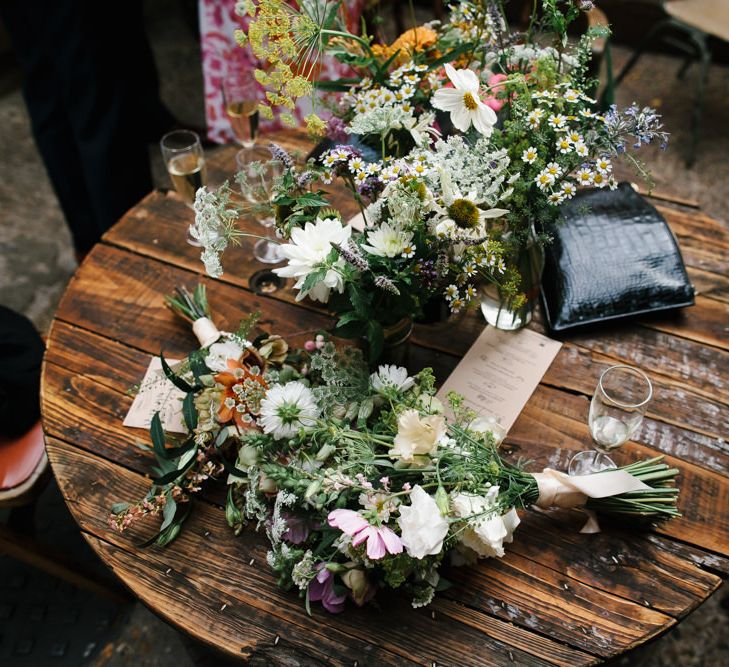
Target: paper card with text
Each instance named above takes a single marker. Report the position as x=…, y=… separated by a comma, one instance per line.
x=157, y=394
x=500, y=372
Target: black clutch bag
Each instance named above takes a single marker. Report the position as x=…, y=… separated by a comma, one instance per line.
x=613, y=256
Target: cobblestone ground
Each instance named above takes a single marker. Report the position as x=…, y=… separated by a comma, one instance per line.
x=43, y=621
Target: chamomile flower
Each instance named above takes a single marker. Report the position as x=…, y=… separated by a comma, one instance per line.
x=407, y=91
x=581, y=149
x=564, y=145
x=575, y=137
x=586, y=113
x=568, y=190
x=360, y=177
x=356, y=164
x=554, y=169
x=555, y=198
x=534, y=118
x=544, y=180
x=571, y=95
x=470, y=270
x=408, y=252
x=529, y=155
x=599, y=179
x=451, y=292
x=373, y=168
x=471, y=292
x=557, y=121
x=584, y=176
x=329, y=159
x=386, y=97
x=457, y=305
x=603, y=165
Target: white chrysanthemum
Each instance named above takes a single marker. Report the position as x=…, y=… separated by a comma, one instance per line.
x=288, y=408
x=308, y=251
x=386, y=241
x=463, y=102
x=390, y=376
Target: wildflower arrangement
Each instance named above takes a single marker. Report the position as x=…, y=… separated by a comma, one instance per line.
x=468, y=138
x=359, y=479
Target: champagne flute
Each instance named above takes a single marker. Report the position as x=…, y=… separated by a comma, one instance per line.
x=616, y=412
x=257, y=172
x=241, y=96
x=185, y=162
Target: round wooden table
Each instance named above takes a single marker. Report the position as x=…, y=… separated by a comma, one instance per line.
x=557, y=597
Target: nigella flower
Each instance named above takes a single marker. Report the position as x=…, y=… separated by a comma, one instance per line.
x=391, y=377
x=381, y=540
x=288, y=408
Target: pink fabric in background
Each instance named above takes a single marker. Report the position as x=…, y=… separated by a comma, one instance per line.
x=218, y=21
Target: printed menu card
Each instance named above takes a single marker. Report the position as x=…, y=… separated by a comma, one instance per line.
x=501, y=371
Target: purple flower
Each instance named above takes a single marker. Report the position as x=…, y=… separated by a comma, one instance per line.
x=321, y=588
x=297, y=529
x=380, y=540
x=337, y=130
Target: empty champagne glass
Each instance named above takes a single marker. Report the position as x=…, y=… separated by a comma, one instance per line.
x=241, y=95
x=257, y=172
x=616, y=411
x=185, y=162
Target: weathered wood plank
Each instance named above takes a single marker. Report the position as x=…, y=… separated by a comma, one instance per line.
x=250, y=592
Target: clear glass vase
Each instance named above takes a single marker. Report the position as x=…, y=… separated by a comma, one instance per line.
x=396, y=347
x=497, y=308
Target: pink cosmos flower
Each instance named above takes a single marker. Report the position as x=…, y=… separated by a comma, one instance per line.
x=380, y=540
x=491, y=100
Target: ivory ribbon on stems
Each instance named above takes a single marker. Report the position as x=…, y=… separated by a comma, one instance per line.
x=205, y=331
x=557, y=489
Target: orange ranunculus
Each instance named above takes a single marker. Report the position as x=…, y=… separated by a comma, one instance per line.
x=415, y=40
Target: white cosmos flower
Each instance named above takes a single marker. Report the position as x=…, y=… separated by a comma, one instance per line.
x=463, y=102
x=486, y=529
x=288, y=408
x=422, y=525
x=390, y=376
x=308, y=251
x=417, y=436
x=387, y=241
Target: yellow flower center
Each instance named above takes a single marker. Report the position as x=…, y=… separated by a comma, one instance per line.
x=469, y=102
x=464, y=213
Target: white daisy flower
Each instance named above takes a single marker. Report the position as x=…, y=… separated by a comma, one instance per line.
x=554, y=169
x=586, y=113
x=603, y=165
x=564, y=145
x=471, y=292
x=568, y=190
x=557, y=121
x=529, y=155
x=408, y=252
x=360, y=176
x=389, y=377
x=584, y=176
x=555, y=198
x=534, y=118
x=575, y=137
x=387, y=241
x=571, y=95
x=451, y=292
x=356, y=164
x=599, y=179
x=407, y=91
x=373, y=168
x=581, y=149
x=287, y=408
x=463, y=102
x=544, y=180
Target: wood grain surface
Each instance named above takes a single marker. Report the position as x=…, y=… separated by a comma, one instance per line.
x=557, y=598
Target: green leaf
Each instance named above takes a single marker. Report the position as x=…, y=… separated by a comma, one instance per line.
x=175, y=379
x=158, y=437
x=375, y=340
x=231, y=469
x=313, y=278
x=118, y=508
x=361, y=300
x=232, y=513
x=174, y=475
x=198, y=365
x=168, y=513
x=189, y=412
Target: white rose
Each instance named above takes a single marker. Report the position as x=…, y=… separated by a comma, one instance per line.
x=422, y=526
x=416, y=435
x=486, y=530
x=219, y=353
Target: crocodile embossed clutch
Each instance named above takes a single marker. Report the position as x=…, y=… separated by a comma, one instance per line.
x=613, y=256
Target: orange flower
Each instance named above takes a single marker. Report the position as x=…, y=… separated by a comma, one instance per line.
x=415, y=40
x=243, y=388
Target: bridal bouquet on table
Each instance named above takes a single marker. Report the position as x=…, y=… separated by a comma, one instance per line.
x=358, y=479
